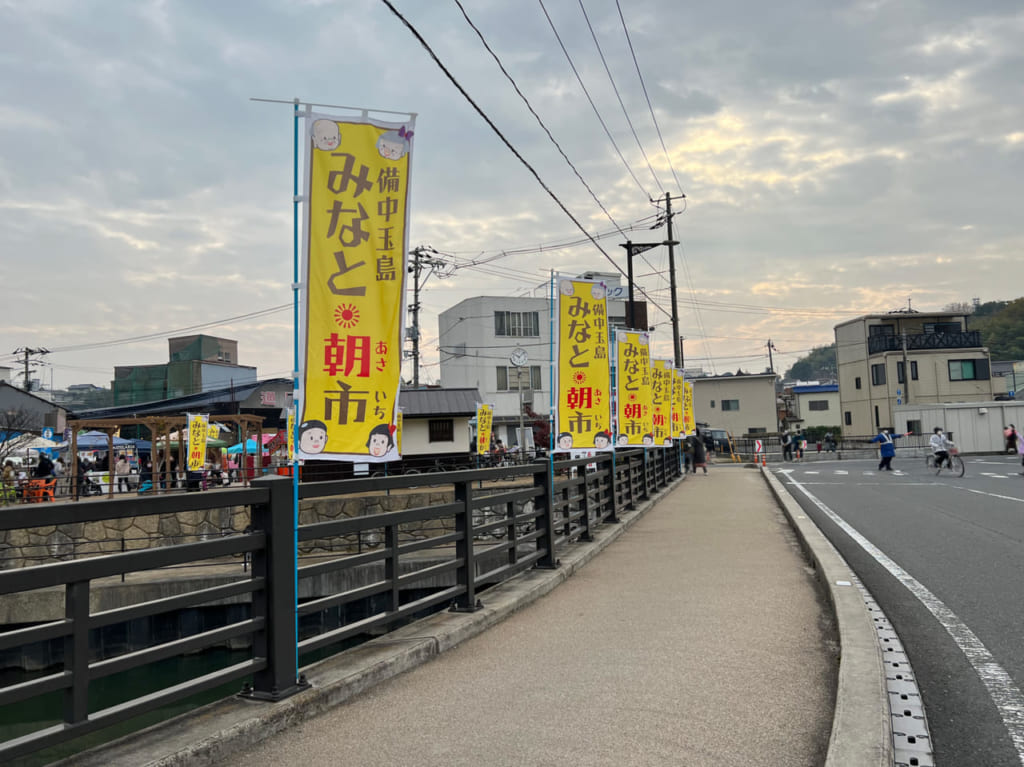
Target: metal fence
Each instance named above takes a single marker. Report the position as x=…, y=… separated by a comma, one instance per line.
x=406, y=563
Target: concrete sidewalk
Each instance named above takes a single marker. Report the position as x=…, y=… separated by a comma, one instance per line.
x=699, y=636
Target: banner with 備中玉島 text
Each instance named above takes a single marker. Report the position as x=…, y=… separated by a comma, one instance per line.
x=584, y=375
x=678, y=429
x=357, y=216
x=198, y=431
x=633, y=386
x=484, y=423
x=689, y=427
x=661, y=397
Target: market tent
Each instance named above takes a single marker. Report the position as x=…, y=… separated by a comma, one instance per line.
x=97, y=440
x=250, y=444
x=249, y=447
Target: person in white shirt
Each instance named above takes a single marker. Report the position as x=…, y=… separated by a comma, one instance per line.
x=940, y=447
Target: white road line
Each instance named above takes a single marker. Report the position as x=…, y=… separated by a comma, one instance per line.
x=841, y=471
x=1005, y=694
x=990, y=495
x=812, y=472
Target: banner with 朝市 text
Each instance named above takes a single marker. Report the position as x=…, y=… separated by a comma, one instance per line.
x=357, y=217
x=198, y=430
x=633, y=385
x=661, y=396
x=689, y=427
x=584, y=376
x=678, y=429
x=484, y=423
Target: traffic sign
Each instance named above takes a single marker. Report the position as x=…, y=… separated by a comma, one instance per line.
x=758, y=447
x=899, y=401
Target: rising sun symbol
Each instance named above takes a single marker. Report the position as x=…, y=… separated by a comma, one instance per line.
x=346, y=315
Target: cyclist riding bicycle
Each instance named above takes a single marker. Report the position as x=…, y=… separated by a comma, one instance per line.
x=940, y=448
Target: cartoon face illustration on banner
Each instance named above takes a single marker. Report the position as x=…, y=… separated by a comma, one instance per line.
x=312, y=436
x=326, y=135
x=381, y=440
x=394, y=144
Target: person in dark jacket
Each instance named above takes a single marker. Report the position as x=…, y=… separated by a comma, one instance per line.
x=698, y=452
x=887, y=448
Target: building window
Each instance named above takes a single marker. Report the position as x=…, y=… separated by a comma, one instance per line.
x=817, y=404
x=517, y=324
x=848, y=418
x=878, y=374
x=913, y=370
x=712, y=403
x=730, y=404
x=914, y=427
x=900, y=372
x=441, y=430
x=942, y=327
x=856, y=382
x=508, y=379
x=459, y=350
x=757, y=430
x=968, y=370
x=881, y=330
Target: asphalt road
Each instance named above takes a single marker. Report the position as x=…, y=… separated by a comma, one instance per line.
x=944, y=558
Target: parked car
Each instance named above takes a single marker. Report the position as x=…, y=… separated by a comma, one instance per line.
x=721, y=438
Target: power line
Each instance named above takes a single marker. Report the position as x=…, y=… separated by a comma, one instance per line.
x=579, y=79
x=537, y=116
x=625, y=112
x=643, y=85
x=511, y=148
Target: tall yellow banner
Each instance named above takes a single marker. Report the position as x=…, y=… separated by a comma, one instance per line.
x=584, y=377
x=678, y=397
x=689, y=425
x=633, y=385
x=484, y=424
x=357, y=207
x=198, y=431
x=661, y=396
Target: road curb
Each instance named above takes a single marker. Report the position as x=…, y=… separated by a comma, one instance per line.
x=861, y=724
x=208, y=735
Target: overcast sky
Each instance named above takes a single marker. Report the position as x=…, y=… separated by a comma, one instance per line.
x=837, y=159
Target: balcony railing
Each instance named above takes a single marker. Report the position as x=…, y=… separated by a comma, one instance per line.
x=965, y=340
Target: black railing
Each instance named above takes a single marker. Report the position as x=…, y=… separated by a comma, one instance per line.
x=961, y=340
x=402, y=563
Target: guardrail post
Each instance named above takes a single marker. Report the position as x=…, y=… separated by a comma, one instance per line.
x=278, y=640
x=545, y=522
x=465, y=551
x=613, y=486
x=76, y=652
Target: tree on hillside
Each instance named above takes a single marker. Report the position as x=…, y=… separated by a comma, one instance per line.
x=819, y=364
x=1002, y=331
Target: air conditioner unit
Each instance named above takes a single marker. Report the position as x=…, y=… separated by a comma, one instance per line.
x=527, y=397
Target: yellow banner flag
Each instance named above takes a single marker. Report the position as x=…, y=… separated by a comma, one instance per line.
x=689, y=426
x=584, y=377
x=661, y=395
x=484, y=424
x=357, y=207
x=291, y=434
x=398, y=431
x=198, y=430
x=677, y=404
x=633, y=384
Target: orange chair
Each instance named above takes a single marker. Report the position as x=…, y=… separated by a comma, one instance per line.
x=40, y=490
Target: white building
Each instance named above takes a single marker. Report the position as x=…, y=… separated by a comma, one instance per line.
x=817, y=405
x=477, y=338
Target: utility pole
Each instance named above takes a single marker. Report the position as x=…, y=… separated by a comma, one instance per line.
x=771, y=364
x=632, y=249
x=672, y=279
x=422, y=261
x=27, y=384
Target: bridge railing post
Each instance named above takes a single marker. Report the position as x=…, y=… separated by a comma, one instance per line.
x=276, y=603
x=465, y=551
x=546, y=520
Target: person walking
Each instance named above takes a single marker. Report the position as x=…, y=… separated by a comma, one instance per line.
x=887, y=450
x=121, y=470
x=699, y=452
x=787, y=446
x=799, y=443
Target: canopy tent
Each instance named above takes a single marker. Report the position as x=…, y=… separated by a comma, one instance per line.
x=97, y=440
x=270, y=442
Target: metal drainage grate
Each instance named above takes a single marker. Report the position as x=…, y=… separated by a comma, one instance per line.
x=912, y=745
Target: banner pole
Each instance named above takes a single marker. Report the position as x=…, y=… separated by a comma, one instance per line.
x=551, y=384
x=295, y=361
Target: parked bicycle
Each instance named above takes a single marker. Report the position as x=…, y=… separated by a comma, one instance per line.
x=954, y=464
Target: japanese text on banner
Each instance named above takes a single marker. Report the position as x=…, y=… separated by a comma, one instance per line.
x=678, y=430
x=198, y=430
x=484, y=423
x=355, y=280
x=584, y=377
x=688, y=423
x=661, y=395
x=633, y=384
